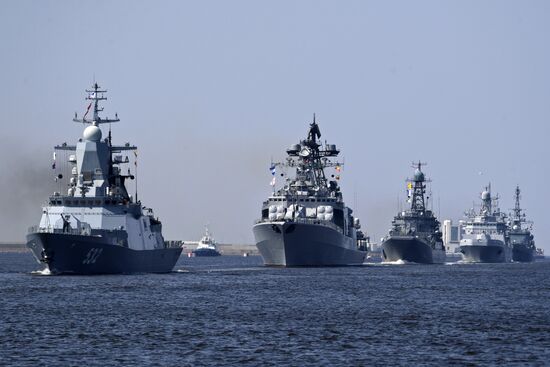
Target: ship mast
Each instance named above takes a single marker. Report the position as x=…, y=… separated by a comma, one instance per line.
x=114, y=178
x=487, y=201
x=95, y=95
x=314, y=133
x=418, y=204
x=517, y=208
x=310, y=158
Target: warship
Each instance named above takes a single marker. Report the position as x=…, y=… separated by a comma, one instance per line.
x=485, y=233
x=415, y=235
x=306, y=222
x=98, y=227
x=206, y=246
x=521, y=238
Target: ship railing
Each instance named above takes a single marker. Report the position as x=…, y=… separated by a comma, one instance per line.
x=116, y=236
x=38, y=229
x=307, y=221
x=73, y=231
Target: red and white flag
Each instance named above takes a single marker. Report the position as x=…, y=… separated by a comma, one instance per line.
x=88, y=109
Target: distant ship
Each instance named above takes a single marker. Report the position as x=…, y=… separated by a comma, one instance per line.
x=485, y=234
x=306, y=223
x=206, y=246
x=415, y=235
x=521, y=238
x=97, y=227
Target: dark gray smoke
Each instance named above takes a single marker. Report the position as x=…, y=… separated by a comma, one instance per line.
x=26, y=182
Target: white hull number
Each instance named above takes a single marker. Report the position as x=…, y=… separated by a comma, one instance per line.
x=92, y=255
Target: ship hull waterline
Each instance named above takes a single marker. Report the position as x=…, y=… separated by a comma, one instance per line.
x=292, y=244
x=522, y=253
x=412, y=250
x=205, y=252
x=484, y=254
x=86, y=255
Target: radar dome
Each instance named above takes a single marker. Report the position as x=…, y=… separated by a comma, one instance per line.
x=485, y=195
x=92, y=133
x=418, y=175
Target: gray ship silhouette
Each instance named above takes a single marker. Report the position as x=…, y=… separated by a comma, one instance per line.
x=306, y=223
x=521, y=238
x=485, y=234
x=97, y=227
x=415, y=235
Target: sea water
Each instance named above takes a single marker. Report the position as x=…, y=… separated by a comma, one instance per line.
x=232, y=310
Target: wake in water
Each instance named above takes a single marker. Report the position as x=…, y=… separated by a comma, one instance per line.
x=398, y=262
x=389, y=263
x=45, y=271
x=222, y=270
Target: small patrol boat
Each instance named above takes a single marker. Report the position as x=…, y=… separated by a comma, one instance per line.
x=206, y=246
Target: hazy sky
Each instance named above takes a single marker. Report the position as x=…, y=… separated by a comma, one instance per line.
x=211, y=91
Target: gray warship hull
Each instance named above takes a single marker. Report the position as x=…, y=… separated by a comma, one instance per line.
x=485, y=253
x=304, y=244
x=411, y=249
x=522, y=253
x=78, y=254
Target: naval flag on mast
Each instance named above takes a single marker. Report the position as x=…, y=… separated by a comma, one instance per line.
x=88, y=109
x=272, y=168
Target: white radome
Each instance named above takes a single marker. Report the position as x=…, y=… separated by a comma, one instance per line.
x=92, y=133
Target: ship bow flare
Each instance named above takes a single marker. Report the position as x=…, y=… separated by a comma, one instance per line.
x=299, y=244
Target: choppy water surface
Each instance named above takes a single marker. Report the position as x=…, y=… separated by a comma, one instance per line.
x=232, y=310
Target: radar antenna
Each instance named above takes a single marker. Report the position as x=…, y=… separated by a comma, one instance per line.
x=310, y=159
x=417, y=188
x=95, y=95
x=314, y=132
x=517, y=208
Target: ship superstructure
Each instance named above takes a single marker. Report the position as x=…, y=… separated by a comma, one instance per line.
x=485, y=233
x=415, y=235
x=306, y=222
x=521, y=238
x=206, y=246
x=97, y=226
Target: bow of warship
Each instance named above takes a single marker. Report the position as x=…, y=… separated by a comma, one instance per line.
x=521, y=238
x=97, y=227
x=306, y=222
x=415, y=235
x=485, y=233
